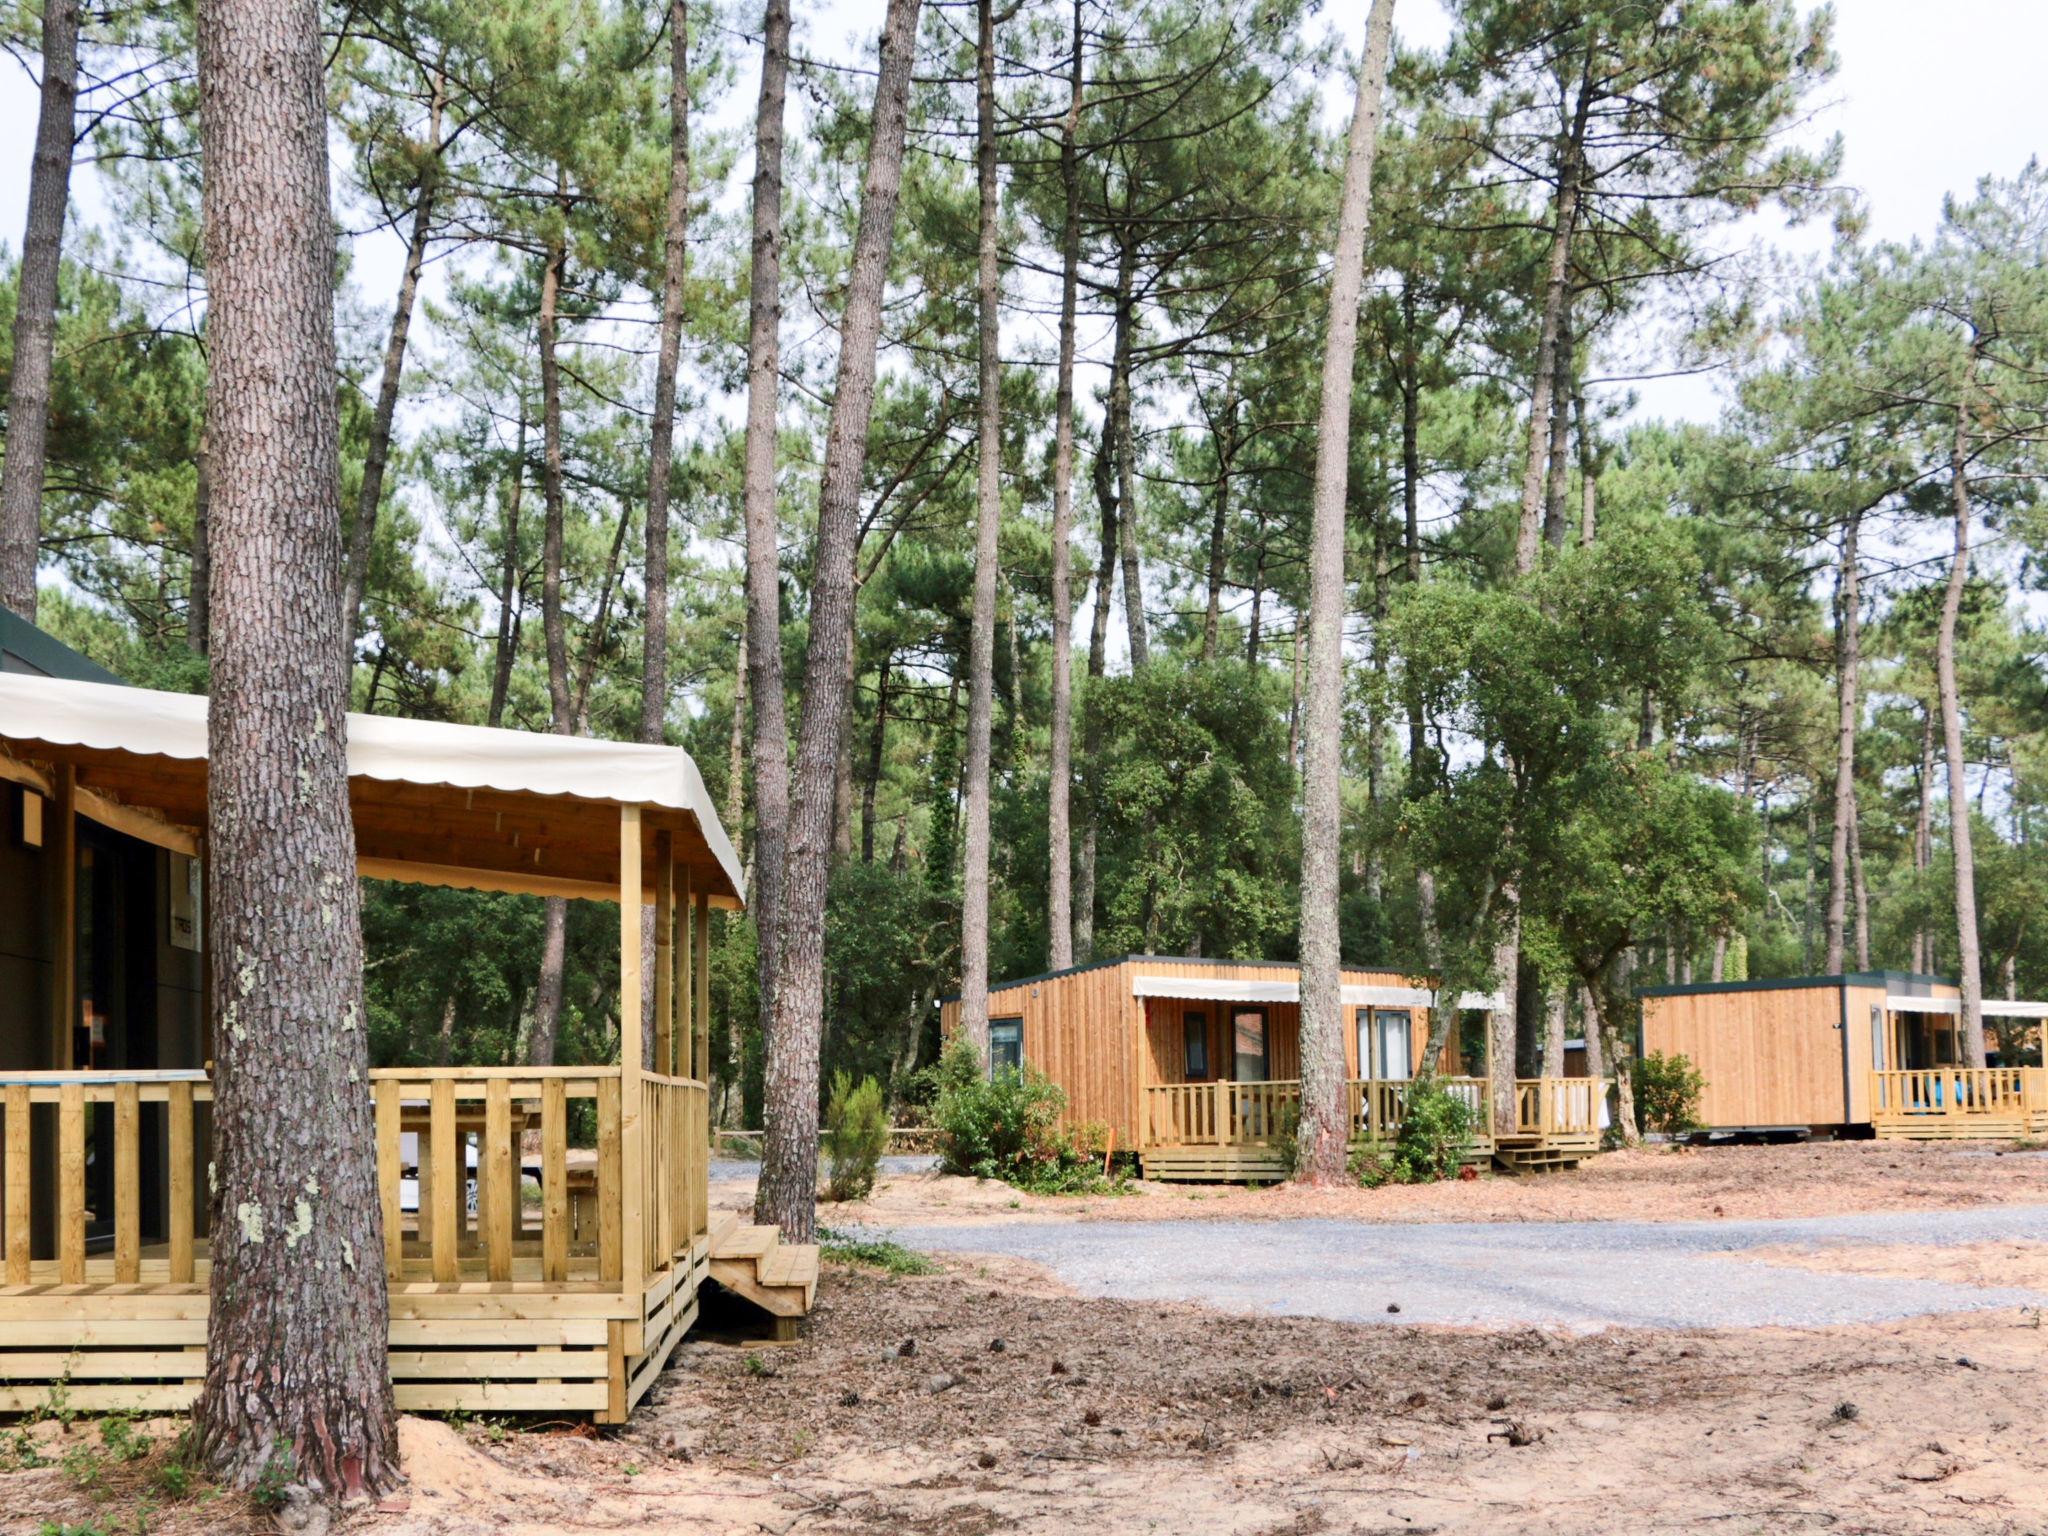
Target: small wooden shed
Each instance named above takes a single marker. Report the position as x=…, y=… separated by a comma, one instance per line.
x=1195, y=1063
x=1801, y=1052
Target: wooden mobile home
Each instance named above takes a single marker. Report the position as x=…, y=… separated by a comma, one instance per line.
x=1875, y=1049
x=499, y=1301
x=1194, y=1064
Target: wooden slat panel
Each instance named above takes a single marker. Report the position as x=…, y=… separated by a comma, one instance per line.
x=17, y=1185
x=184, y=1164
x=664, y=954
x=554, y=1181
x=503, y=1187
x=127, y=1185
x=449, y=1175
x=71, y=1184
x=390, y=1171
x=608, y=1235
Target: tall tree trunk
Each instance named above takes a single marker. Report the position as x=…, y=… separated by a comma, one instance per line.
x=507, y=644
x=1556, y=291
x=1323, y=1143
x=1411, y=554
x=547, y=991
x=1556, y=1010
x=35, y=312
x=1091, y=707
x=842, y=770
x=1589, y=481
x=199, y=617
x=1847, y=648
x=299, y=1316
x=675, y=265
x=1860, y=889
x=789, y=1163
x=377, y=453
x=1219, y=526
x=1124, y=446
x=736, y=742
x=1969, y=973
x=1059, y=808
x=764, y=527
x=988, y=508
x=1559, y=483
x=1923, y=835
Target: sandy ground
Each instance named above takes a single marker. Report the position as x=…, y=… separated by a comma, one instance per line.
x=990, y=1399
x=1661, y=1183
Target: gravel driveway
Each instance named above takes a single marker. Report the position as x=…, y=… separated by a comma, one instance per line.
x=1577, y=1275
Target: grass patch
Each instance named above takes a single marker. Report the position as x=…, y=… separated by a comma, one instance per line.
x=873, y=1253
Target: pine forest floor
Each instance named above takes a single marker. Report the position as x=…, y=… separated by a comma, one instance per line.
x=990, y=1398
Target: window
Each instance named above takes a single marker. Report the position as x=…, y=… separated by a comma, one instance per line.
x=1005, y=1045
x=1248, y=1035
x=1194, y=1027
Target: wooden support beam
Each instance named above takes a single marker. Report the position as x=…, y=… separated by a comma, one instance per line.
x=703, y=979
x=16, y=1214
x=389, y=1173
x=664, y=953
x=500, y=1215
x=630, y=1189
x=63, y=846
x=441, y=1156
x=71, y=1184
x=686, y=946
x=554, y=1180
x=127, y=1184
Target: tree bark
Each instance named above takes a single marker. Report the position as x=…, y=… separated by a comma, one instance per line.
x=1091, y=707
x=35, y=312
x=1219, y=527
x=1559, y=482
x=675, y=268
x=988, y=507
x=1969, y=973
x=1556, y=290
x=547, y=991
x=1923, y=834
x=1124, y=447
x=1555, y=1014
x=1059, y=807
x=377, y=453
x=199, y=616
x=1860, y=889
x=1322, y=1145
x=764, y=584
x=877, y=745
x=1847, y=648
x=507, y=646
x=299, y=1316
x=1411, y=554
x=789, y=1164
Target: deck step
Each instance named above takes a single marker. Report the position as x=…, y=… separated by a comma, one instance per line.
x=750, y=1242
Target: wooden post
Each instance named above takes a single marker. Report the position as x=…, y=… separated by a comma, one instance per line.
x=441, y=1150
x=71, y=1184
x=498, y=1214
x=554, y=1177
x=702, y=967
x=664, y=955
x=389, y=1173
x=632, y=1128
x=688, y=1019
x=17, y=1184
x=127, y=1184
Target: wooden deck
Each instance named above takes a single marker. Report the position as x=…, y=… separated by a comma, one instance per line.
x=1229, y=1132
x=1960, y=1104
x=525, y=1274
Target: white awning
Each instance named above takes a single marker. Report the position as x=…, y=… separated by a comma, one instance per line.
x=1198, y=989
x=74, y=719
x=1994, y=1007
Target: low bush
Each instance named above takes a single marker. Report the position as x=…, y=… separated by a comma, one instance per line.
x=856, y=1136
x=1435, y=1126
x=1005, y=1125
x=1668, y=1090
x=873, y=1253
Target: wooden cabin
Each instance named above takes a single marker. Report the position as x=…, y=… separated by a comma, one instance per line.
x=1194, y=1064
x=1875, y=1049
x=526, y=1271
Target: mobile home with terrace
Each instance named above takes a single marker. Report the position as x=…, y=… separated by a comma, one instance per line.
x=570, y=1301
x=1194, y=1064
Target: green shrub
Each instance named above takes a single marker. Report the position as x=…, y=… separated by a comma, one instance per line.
x=873, y=1253
x=1668, y=1092
x=856, y=1136
x=1006, y=1126
x=1436, y=1125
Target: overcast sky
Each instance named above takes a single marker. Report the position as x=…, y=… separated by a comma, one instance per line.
x=1924, y=109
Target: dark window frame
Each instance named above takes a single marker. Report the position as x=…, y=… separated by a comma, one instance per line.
x=1005, y=1024
x=1194, y=1042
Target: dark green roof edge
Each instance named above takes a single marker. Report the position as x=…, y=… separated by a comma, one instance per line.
x=1800, y=983
x=47, y=655
x=1097, y=965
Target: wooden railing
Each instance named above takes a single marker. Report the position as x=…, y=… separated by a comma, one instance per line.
x=476, y=1174
x=69, y=1101
x=1558, y=1106
x=1262, y=1113
x=1991, y=1092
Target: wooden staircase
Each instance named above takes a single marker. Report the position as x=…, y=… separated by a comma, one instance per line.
x=1541, y=1154
x=754, y=1263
